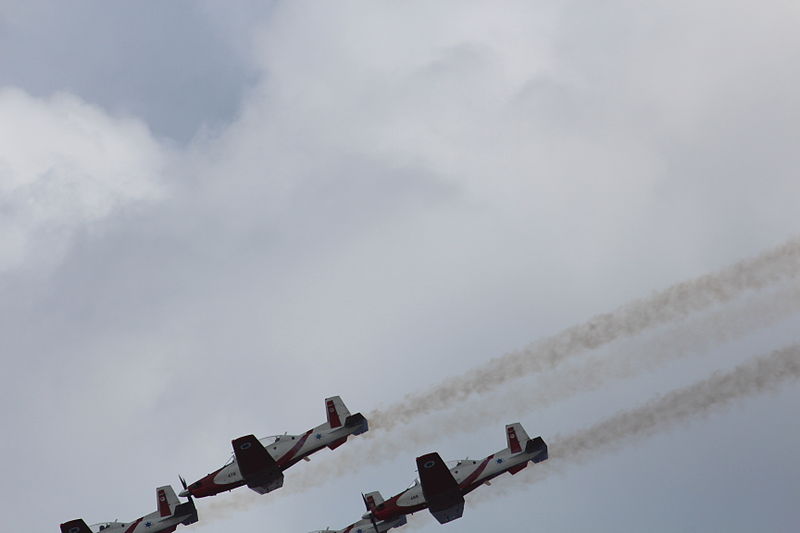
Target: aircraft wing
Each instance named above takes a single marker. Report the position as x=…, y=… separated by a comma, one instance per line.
x=75, y=526
x=258, y=468
x=445, y=501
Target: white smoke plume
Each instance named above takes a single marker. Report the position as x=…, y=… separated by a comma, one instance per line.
x=673, y=303
x=725, y=324
x=757, y=376
x=637, y=356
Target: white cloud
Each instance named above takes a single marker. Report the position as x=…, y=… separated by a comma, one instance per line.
x=410, y=189
x=66, y=165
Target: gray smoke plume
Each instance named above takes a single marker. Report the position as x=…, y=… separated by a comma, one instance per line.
x=673, y=303
x=689, y=336
x=635, y=357
x=758, y=376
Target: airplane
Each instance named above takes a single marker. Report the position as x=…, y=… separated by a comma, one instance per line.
x=171, y=512
x=259, y=463
x=368, y=525
x=441, y=490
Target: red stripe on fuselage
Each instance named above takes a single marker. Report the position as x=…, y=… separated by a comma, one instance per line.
x=473, y=476
x=133, y=526
x=209, y=488
x=390, y=509
x=282, y=462
x=467, y=490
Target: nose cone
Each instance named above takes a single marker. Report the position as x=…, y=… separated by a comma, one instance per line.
x=184, y=493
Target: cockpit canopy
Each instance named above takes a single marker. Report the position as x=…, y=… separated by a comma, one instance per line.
x=271, y=439
x=413, y=484
x=109, y=527
x=451, y=465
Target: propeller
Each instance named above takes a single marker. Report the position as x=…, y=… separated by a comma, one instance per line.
x=370, y=513
x=185, y=488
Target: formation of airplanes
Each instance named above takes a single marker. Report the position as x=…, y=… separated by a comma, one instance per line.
x=441, y=489
x=259, y=464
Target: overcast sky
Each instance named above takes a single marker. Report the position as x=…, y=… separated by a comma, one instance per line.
x=214, y=215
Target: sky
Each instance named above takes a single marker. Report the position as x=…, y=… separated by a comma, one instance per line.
x=214, y=215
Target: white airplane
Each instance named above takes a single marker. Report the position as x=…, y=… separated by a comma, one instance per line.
x=441, y=490
x=367, y=525
x=171, y=512
x=259, y=463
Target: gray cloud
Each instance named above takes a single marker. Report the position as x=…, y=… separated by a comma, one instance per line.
x=401, y=190
x=175, y=66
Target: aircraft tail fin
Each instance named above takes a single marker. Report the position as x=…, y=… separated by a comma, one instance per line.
x=75, y=526
x=166, y=500
x=336, y=411
x=169, y=505
x=516, y=437
x=373, y=499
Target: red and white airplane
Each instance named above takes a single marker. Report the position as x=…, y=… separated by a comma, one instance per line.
x=259, y=463
x=369, y=525
x=171, y=512
x=441, y=490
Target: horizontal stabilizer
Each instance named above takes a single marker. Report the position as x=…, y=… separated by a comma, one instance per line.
x=397, y=522
x=75, y=526
x=539, y=447
x=187, y=511
x=338, y=442
x=358, y=422
x=518, y=468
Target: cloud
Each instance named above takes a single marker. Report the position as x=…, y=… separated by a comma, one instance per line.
x=180, y=68
x=402, y=191
x=68, y=165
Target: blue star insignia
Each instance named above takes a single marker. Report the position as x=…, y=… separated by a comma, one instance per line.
x=499, y=461
x=318, y=436
x=148, y=524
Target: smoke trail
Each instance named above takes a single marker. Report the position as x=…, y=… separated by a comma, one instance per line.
x=680, y=340
x=634, y=358
x=760, y=375
x=672, y=303
x=727, y=323
x=757, y=376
